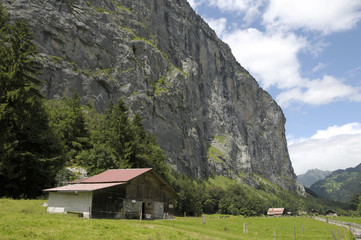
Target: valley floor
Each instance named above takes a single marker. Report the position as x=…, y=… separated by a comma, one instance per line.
x=28, y=219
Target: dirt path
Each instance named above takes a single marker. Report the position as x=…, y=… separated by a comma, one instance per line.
x=354, y=228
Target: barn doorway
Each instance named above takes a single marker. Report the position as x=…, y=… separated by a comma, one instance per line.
x=148, y=209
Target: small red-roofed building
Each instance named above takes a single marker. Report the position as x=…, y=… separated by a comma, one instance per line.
x=115, y=193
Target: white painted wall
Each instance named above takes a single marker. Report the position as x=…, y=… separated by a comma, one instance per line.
x=79, y=202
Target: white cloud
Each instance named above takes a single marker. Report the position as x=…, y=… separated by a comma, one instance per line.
x=271, y=58
x=337, y=147
x=194, y=3
x=319, y=91
x=218, y=25
x=325, y=16
x=251, y=9
x=333, y=131
x=318, y=67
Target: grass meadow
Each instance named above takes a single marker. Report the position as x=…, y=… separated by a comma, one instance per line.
x=28, y=219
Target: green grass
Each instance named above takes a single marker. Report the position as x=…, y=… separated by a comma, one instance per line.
x=27, y=219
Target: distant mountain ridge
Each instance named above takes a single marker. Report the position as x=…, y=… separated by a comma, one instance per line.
x=340, y=185
x=312, y=176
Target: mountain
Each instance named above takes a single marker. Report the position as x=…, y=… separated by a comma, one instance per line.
x=340, y=185
x=312, y=176
x=208, y=113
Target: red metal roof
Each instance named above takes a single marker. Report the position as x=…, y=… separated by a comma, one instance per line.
x=115, y=175
x=82, y=187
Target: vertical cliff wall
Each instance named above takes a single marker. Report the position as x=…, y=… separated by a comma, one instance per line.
x=209, y=115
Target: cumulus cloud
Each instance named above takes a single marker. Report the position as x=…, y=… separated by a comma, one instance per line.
x=271, y=58
x=272, y=55
x=326, y=16
x=334, y=131
x=319, y=91
x=218, y=25
x=250, y=9
x=337, y=147
x=318, y=67
x=194, y=3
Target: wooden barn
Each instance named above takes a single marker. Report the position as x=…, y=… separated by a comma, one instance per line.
x=116, y=193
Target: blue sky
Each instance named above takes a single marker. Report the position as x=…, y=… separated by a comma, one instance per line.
x=307, y=55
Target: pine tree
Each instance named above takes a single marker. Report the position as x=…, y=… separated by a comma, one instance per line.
x=29, y=156
x=68, y=120
x=147, y=151
x=112, y=141
x=121, y=136
x=119, y=142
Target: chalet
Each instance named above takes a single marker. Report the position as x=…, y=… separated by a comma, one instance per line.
x=115, y=193
x=275, y=211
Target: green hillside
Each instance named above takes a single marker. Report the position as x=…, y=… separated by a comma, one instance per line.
x=339, y=185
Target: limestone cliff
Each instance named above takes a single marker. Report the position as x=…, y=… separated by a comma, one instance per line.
x=209, y=115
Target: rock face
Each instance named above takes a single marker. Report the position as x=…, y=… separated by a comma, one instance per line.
x=209, y=115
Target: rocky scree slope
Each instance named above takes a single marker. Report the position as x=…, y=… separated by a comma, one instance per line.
x=209, y=115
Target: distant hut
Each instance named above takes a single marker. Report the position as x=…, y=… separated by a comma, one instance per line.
x=300, y=213
x=315, y=211
x=331, y=213
x=116, y=193
x=275, y=211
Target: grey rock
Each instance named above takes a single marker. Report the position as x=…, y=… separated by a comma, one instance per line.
x=208, y=113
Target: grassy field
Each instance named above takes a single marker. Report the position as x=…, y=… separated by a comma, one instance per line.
x=27, y=219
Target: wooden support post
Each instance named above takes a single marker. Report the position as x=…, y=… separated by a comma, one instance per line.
x=294, y=232
x=274, y=233
x=185, y=214
x=141, y=216
x=333, y=233
x=339, y=233
x=246, y=227
x=303, y=233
